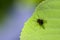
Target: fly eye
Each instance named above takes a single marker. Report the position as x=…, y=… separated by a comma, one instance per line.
x=41, y=23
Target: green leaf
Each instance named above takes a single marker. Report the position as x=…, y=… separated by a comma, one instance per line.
x=49, y=10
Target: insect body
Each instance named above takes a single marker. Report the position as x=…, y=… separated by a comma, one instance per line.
x=41, y=22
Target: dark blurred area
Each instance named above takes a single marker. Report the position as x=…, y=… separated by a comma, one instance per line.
x=4, y=4
x=4, y=7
